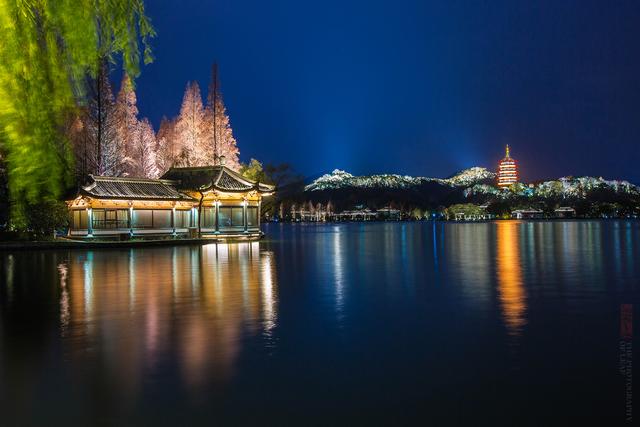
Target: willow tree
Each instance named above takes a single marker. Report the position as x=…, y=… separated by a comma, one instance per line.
x=48, y=51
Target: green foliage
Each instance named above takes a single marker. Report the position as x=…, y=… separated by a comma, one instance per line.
x=467, y=209
x=499, y=208
x=253, y=171
x=4, y=194
x=45, y=217
x=417, y=213
x=283, y=175
x=289, y=185
x=47, y=50
x=517, y=188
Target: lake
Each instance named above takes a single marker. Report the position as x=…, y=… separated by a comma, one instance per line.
x=336, y=324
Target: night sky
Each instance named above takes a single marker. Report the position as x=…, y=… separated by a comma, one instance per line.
x=412, y=87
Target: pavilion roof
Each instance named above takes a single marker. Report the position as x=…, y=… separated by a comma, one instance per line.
x=106, y=187
x=214, y=178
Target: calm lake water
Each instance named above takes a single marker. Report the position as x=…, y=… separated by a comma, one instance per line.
x=374, y=324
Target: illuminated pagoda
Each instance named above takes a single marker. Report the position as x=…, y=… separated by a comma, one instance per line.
x=209, y=200
x=507, y=170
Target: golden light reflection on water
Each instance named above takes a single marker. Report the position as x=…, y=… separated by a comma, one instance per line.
x=191, y=304
x=509, y=271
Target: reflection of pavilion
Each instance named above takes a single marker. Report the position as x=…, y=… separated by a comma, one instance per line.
x=510, y=286
x=191, y=304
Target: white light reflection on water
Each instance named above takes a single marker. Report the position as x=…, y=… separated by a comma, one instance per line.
x=468, y=251
x=435, y=246
x=65, y=313
x=630, y=259
x=269, y=299
x=338, y=271
x=132, y=279
x=88, y=285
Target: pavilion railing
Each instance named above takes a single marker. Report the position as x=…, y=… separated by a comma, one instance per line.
x=101, y=224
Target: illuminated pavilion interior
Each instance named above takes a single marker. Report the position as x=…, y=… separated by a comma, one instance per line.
x=214, y=199
x=507, y=170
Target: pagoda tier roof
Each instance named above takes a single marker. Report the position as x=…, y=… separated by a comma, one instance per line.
x=220, y=178
x=106, y=187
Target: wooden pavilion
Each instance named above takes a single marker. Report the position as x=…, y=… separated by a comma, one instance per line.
x=186, y=201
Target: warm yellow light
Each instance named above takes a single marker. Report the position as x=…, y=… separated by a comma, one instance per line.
x=510, y=285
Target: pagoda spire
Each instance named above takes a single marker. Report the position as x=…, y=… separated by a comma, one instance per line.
x=507, y=151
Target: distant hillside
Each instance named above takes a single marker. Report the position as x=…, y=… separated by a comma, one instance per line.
x=339, y=179
x=590, y=196
x=346, y=191
x=565, y=187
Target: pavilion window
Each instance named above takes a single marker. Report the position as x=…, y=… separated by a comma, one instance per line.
x=183, y=219
x=224, y=216
x=79, y=219
x=237, y=217
x=252, y=216
x=122, y=218
x=142, y=218
x=208, y=217
x=98, y=219
x=230, y=216
x=110, y=218
x=162, y=218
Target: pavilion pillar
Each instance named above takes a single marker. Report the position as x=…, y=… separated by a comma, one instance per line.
x=130, y=219
x=216, y=205
x=90, y=222
x=259, y=210
x=244, y=214
x=173, y=219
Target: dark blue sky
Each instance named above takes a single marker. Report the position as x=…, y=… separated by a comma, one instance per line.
x=413, y=87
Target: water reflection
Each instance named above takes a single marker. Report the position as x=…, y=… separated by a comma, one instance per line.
x=65, y=314
x=468, y=247
x=509, y=273
x=338, y=269
x=269, y=307
x=196, y=335
x=192, y=303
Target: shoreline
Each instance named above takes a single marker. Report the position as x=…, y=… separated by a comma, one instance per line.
x=63, y=243
x=452, y=221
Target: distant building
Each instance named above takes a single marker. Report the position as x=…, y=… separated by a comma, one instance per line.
x=565, y=212
x=389, y=213
x=309, y=215
x=479, y=214
x=507, y=170
x=362, y=214
x=527, y=214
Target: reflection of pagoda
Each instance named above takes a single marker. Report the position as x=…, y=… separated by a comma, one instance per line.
x=507, y=170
